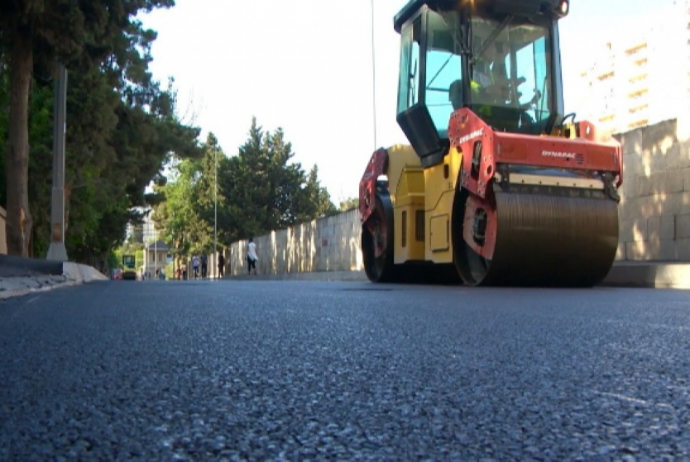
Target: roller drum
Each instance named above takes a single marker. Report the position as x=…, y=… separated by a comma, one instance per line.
x=545, y=239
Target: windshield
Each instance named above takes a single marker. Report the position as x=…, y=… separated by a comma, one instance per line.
x=511, y=74
x=510, y=66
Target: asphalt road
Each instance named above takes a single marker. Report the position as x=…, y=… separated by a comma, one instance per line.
x=294, y=370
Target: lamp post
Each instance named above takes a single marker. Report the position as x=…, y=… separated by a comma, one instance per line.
x=373, y=71
x=57, y=250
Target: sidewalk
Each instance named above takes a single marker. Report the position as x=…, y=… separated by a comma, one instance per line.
x=22, y=276
x=660, y=275
x=656, y=274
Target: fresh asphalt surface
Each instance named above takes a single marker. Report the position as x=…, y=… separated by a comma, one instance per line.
x=295, y=370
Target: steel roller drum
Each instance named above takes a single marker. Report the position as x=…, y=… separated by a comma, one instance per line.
x=550, y=238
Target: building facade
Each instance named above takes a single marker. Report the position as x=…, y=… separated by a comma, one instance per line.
x=640, y=76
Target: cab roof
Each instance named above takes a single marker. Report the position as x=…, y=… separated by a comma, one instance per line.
x=525, y=8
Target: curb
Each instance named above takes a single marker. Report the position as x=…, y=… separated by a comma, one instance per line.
x=73, y=274
x=81, y=273
x=656, y=275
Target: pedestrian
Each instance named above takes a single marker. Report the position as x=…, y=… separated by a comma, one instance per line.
x=204, y=266
x=251, y=256
x=195, y=266
x=221, y=264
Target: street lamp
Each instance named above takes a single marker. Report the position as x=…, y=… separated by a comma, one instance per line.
x=57, y=250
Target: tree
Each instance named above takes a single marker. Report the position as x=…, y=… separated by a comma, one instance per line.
x=349, y=204
x=259, y=190
x=274, y=192
x=122, y=128
x=318, y=197
x=177, y=216
x=51, y=30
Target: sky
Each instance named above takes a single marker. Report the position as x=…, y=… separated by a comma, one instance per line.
x=306, y=66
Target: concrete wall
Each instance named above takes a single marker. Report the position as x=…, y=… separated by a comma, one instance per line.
x=654, y=215
x=326, y=244
x=3, y=237
x=655, y=207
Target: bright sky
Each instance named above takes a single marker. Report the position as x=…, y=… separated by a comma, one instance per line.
x=306, y=66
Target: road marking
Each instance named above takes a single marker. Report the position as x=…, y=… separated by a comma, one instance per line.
x=624, y=397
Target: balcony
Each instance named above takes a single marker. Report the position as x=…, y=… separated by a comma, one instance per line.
x=605, y=75
x=638, y=108
x=638, y=123
x=638, y=94
x=636, y=50
x=638, y=77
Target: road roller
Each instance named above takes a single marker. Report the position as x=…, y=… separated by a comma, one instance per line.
x=498, y=185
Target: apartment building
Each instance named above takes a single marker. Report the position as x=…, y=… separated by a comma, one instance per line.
x=640, y=75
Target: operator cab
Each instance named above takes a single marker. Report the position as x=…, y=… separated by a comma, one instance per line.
x=499, y=58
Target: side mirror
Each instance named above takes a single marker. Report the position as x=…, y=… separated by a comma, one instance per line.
x=421, y=132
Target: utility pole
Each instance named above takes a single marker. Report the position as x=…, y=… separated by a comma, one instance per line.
x=373, y=72
x=57, y=250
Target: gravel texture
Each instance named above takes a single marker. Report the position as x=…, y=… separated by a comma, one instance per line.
x=296, y=370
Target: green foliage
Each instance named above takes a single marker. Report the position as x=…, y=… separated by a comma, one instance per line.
x=349, y=204
x=122, y=126
x=259, y=190
x=266, y=191
x=98, y=40
x=139, y=258
x=114, y=260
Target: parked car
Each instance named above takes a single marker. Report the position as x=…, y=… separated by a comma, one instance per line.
x=117, y=273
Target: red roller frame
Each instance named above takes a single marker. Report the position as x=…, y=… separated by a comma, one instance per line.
x=588, y=152
x=367, y=185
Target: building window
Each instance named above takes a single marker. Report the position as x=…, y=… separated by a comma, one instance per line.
x=637, y=93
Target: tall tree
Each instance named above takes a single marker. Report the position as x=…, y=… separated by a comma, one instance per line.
x=259, y=190
x=52, y=30
x=263, y=189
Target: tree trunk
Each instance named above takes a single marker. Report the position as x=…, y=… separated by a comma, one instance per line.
x=19, y=222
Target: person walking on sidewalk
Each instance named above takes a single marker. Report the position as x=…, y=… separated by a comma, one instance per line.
x=221, y=264
x=195, y=265
x=204, y=266
x=251, y=256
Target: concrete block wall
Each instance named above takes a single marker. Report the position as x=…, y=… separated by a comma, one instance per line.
x=326, y=244
x=654, y=213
